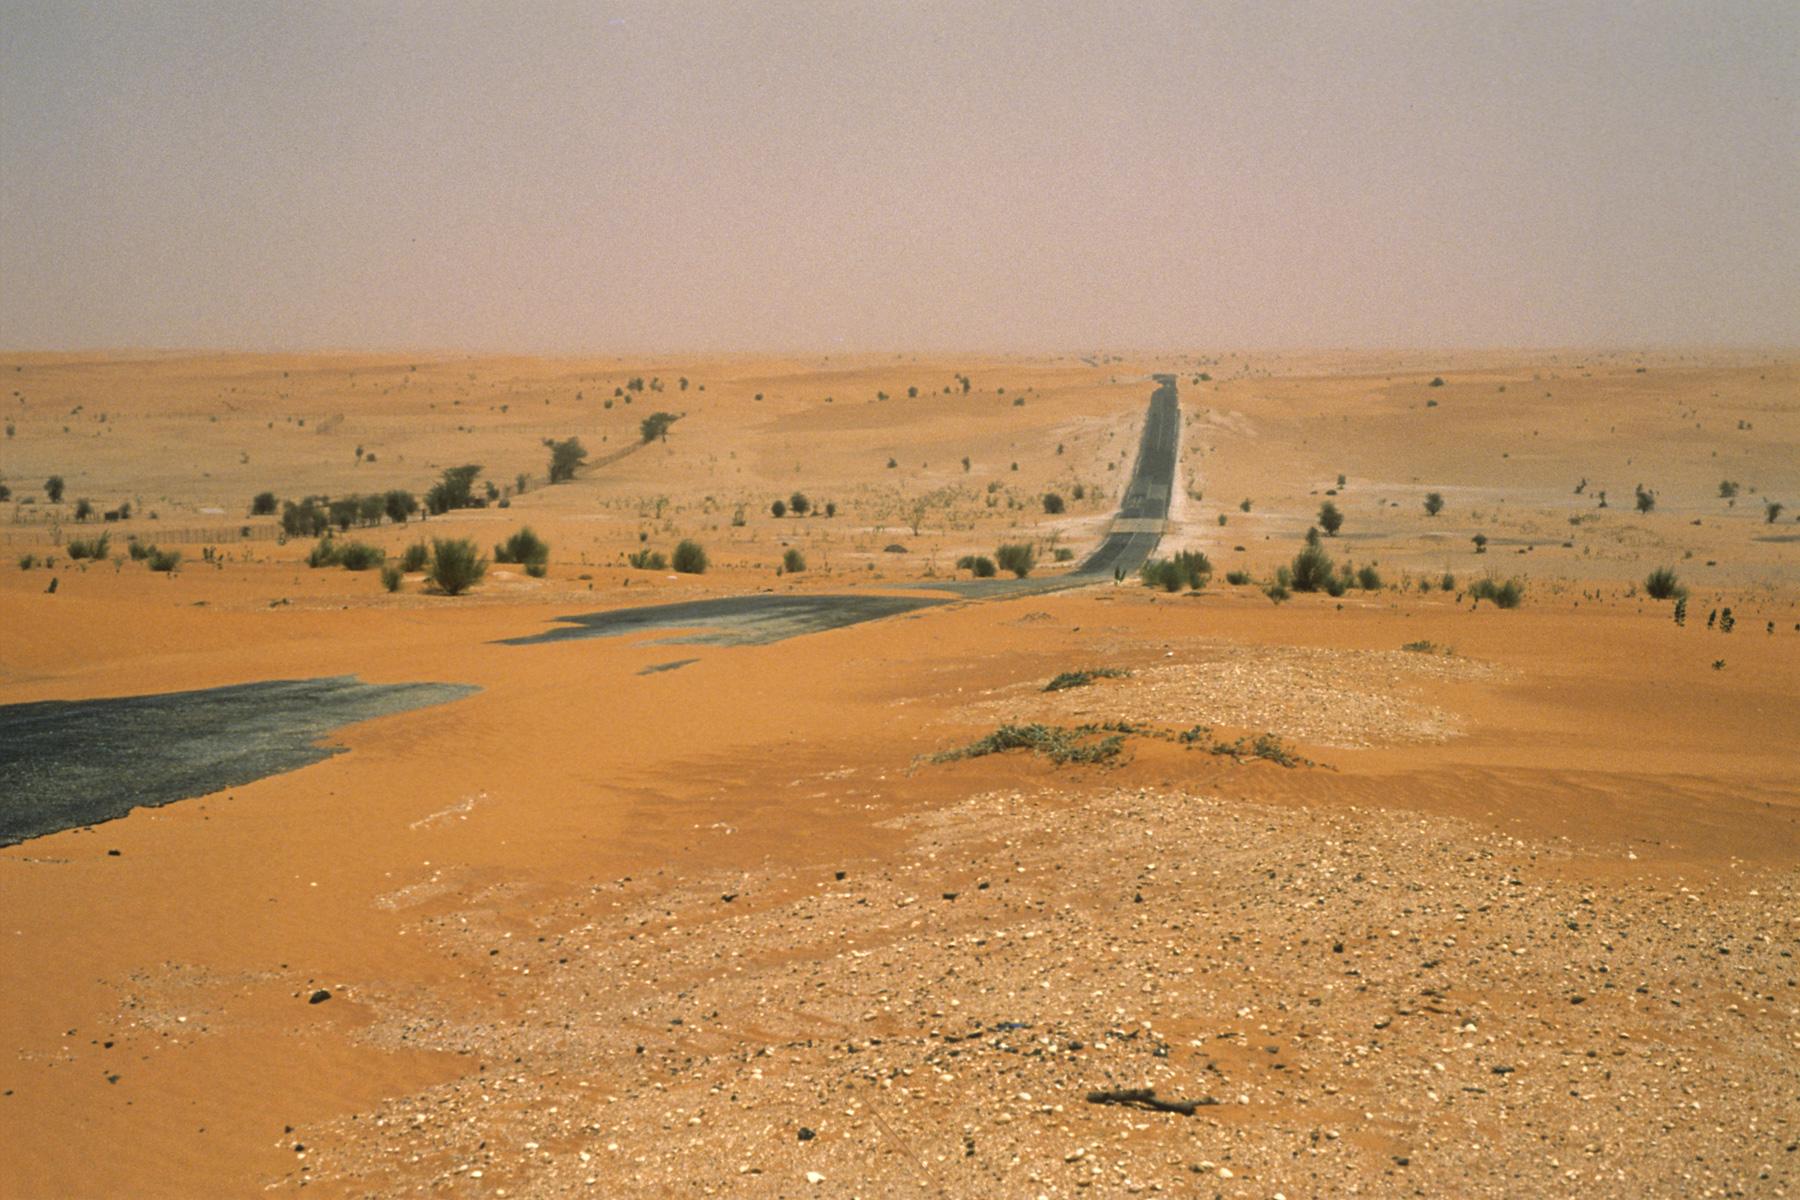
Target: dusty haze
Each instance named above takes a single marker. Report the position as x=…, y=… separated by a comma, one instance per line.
x=703, y=176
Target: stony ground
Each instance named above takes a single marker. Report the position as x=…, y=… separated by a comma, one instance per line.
x=1357, y=1002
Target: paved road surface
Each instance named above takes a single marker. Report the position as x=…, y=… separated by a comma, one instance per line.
x=1145, y=505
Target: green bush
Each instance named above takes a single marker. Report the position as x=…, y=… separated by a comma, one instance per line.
x=399, y=505
x=1661, y=584
x=793, y=561
x=523, y=547
x=305, y=519
x=360, y=556
x=263, y=505
x=164, y=560
x=799, y=504
x=324, y=554
x=138, y=550
x=1311, y=570
x=1368, y=579
x=1189, y=568
x=537, y=570
x=1237, y=578
x=455, y=565
x=391, y=577
x=27, y=561
x=1074, y=679
x=1017, y=557
x=1434, y=503
x=1448, y=582
x=94, y=548
x=566, y=457
x=414, y=558
x=454, y=489
x=1063, y=554
x=1502, y=595
x=978, y=565
x=656, y=425
x=1053, y=504
x=689, y=558
x=1330, y=519
x=648, y=560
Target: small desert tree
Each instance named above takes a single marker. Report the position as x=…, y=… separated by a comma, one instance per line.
x=1646, y=500
x=792, y=560
x=566, y=457
x=525, y=548
x=1053, y=504
x=399, y=505
x=656, y=425
x=1772, y=511
x=689, y=558
x=53, y=487
x=455, y=565
x=799, y=503
x=1311, y=570
x=1661, y=584
x=779, y=508
x=454, y=489
x=1330, y=519
x=1434, y=503
x=263, y=505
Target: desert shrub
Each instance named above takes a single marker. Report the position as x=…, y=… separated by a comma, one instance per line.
x=1189, y=568
x=414, y=557
x=1017, y=557
x=1277, y=591
x=778, y=509
x=1505, y=594
x=399, y=505
x=656, y=425
x=263, y=504
x=1661, y=584
x=360, y=556
x=454, y=489
x=1728, y=489
x=1437, y=381
x=391, y=577
x=978, y=565
x=1421, y=647
x=344, y=512
x=648, y=560
x=138, y=550
x=94, y=548
x=1311, y=570
x=1063, y=554
x=53, y=488
x=1481, y=541
x=1237, y=578
x=1083, y=744
x=164, y=560
x=369, y=509
x=831, y=508
x=1772, y=511
x=324, y=554
x=1330, y=519
x=689, y=557
x=27, y=561
x=1244, y=505
x=1448, y=582
x=1646, y=500
x=537, y=570
x=523, y=547
x=305, y=519
x=455, y=565
x=566, y=457
x=1053, y=504
x=799, y=504
x=1074, y=679
x=793, y=560
x=1368, y=579
x=1434, y=503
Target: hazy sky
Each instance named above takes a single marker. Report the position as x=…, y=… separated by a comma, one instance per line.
x=609, y=176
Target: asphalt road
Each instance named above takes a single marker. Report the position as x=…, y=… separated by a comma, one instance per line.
x=1147, y=496
x=69, y=763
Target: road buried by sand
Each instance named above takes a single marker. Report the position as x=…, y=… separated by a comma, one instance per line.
x=69, y=763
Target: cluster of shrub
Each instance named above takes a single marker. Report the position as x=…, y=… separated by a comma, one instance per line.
x=1017, y=557
x=799, y=504
x=688, y=558
x=95, y=549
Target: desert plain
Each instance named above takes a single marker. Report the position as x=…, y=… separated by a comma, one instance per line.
x=1391, y=892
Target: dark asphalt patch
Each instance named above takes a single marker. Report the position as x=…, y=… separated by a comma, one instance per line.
x=69, y=763
x=732, y=620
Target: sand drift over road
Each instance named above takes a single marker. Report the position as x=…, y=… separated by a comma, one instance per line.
x=68, y=763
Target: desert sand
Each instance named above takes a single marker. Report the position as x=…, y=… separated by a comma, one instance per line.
x=1518, y=916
